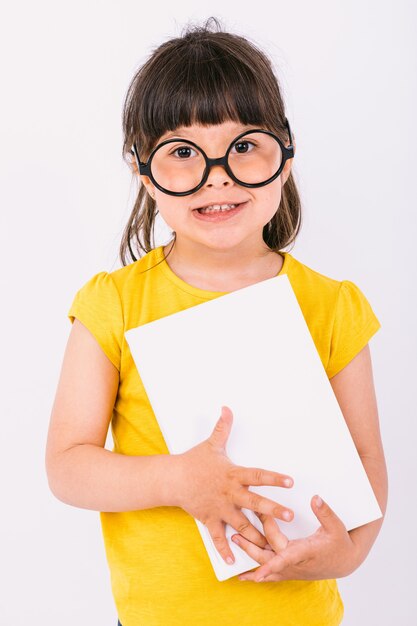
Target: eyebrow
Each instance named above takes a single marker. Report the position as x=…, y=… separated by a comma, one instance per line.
x=186, y=130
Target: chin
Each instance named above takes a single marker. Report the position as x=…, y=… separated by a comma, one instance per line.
x=221, y=237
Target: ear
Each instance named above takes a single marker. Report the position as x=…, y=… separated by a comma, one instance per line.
x=146, y=181
x=288, y=165
x=132, y=162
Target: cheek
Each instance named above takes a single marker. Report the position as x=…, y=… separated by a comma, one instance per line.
x=269, y=200
x=173, y=213
x=275, y=190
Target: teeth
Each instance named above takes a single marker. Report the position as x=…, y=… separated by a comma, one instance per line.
x=217, y=207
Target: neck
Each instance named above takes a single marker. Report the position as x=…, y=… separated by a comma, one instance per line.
x=222, y=269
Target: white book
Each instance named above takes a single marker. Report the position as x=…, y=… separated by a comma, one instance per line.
x=252, y=350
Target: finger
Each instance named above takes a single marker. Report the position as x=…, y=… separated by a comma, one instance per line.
x=326, y=516
x=298, y=551
x=274, y=566
x=242, y=525
x=256, y=476
x=218, y=535
x=244, y=498
x=274, y=578
x=260, y=555
x=275, y=537
x=283, y=566
x=286, y=573
x=267, y=579
x=222, y=429
x=282, y=562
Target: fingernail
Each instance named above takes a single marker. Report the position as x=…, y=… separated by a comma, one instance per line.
x=235, y=539
x=229, y=560
x=259, y=580
x=319, y=501
x=288, y=482
x=286, y=515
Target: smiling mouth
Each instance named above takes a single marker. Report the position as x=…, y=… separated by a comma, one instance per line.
x=220, y=215
x=218, y=208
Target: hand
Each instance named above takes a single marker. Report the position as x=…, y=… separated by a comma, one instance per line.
x=328, y=553
x=214, y=489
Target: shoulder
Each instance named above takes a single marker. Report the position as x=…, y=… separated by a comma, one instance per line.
x=338, y=314
x=102, y=302
x=116, y=284
x=129, y=277
x=312, y=287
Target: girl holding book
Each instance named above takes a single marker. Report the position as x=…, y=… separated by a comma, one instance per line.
x=208, y=140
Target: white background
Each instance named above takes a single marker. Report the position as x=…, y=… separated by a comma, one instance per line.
x=348, y=74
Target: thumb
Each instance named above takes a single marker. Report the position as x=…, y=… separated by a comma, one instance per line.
x=222, y=429
x=326, y=516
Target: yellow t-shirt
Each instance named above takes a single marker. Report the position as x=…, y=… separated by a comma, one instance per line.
x=160, y=571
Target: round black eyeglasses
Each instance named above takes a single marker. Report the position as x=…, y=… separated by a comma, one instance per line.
x=146, y=168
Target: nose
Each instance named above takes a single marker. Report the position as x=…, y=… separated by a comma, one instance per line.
x=218, y=177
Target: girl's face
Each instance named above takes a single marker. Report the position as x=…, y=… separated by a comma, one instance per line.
x=242, y=229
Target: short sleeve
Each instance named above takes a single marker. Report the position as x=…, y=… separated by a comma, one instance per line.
x=97, y=305
x=354, y=324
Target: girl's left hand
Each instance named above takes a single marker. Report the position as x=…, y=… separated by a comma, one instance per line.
x=328, y=553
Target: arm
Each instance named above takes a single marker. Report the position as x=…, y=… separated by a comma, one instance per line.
x=81, y=472
x=355, y=393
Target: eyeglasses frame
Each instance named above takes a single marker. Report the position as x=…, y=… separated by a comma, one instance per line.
x=145, y=168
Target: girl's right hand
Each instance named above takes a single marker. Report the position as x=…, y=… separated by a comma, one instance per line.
x=213, y=489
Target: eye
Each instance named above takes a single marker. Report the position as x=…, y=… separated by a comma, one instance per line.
x=182, y=151
x=242, y=145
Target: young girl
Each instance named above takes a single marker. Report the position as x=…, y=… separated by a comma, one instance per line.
x=207, y=138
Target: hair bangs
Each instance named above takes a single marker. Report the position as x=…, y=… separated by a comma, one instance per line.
x=209, y=87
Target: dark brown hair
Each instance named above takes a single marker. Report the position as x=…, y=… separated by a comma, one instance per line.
x=203, y=77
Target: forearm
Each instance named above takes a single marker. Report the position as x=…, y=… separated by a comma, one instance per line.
x=364, y=536
x=91, y=477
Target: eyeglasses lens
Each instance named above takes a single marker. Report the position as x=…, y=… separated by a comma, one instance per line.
x=179, y=167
